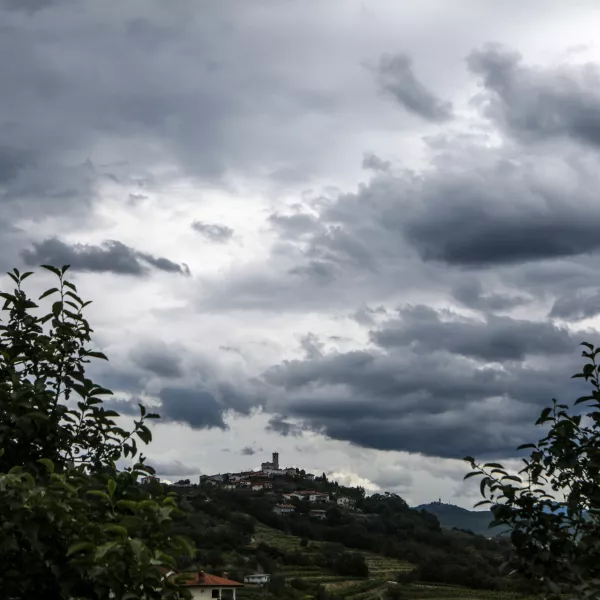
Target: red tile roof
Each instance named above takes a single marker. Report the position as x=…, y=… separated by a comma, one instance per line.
x=203, y=579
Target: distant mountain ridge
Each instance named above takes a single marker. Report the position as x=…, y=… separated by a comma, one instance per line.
x=451, y=516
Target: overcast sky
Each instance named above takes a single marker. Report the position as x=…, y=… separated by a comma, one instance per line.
x=363, y=234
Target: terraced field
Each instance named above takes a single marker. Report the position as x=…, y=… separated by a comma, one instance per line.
x=275, y=537
x=382, y=572
x=381, y=569
x=423, y=591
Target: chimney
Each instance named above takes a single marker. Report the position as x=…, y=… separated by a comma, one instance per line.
x=225, y=573
x=275, y=460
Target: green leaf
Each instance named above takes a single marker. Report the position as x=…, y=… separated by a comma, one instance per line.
x=100, y=391
x=79, y=547
x=137, y=546
x=103, y=550
x=118, y=529
x=96, y=355
x=482, y=503
x=493, y=466
x=56, y=308
x=183, y=543
x=48, y=293
x=471, y=474
x=483, y=484
x=26, y=275
x=99, y=494
x=526, y=446
x=108, y=413
x=128, y=504
x=47, y=463
x=51, y=269
x=144, y=434
x=112, y=486
x=544, y=415
x=512, y=478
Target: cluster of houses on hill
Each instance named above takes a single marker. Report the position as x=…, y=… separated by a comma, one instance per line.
x=314, y=498
x=257, y=481
x=254, y=480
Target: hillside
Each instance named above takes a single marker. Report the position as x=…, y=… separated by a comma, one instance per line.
x=451, y=516
x=367, y=552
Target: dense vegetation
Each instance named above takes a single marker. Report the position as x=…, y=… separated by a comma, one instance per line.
x=552, y=507
x=73, y=525
x=223, y=523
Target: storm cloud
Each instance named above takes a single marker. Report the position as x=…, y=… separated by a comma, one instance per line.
x=539, y=102
x=396, y=77
x=111, y=256
x=213, y=231
x=494, y=339
x=196, y=407
x=158, y=358
x=403, y=256
x=438, y=404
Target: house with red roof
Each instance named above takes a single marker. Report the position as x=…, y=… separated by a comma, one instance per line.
x=204, y=586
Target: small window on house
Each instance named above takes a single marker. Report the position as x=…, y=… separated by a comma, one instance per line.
x=215, y=593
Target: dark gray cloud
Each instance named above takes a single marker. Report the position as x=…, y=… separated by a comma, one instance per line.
x=470, y=293
x=373, y=162
x=396, y=77
x=574, y=306
x=433, y=382
x=196, y=407
x=477, y=207
x=12, y=162
x=366, y=315
x=158, y=358
x=249, y=451
x=426, y=330
x=535, y=103
x=102, y=101
x=500, y=216
x=436, y=404
x=30, y=6
x=283, y=427
x=110, y=257
x=213, y=231
x=294, y=225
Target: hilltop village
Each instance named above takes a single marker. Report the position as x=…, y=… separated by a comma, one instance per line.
x=289, y=488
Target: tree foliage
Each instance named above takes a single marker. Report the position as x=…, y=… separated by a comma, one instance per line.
x=552, y=506
x=72, y=524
